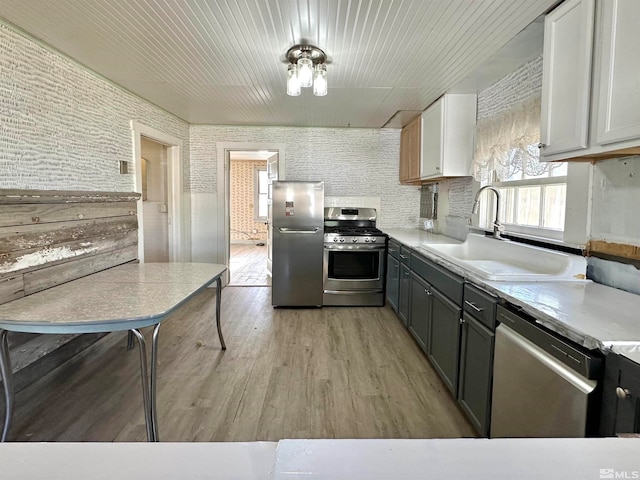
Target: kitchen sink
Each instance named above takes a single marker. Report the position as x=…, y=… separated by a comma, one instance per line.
x=505, y=260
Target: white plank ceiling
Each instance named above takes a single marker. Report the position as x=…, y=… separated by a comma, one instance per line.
x=222, y=62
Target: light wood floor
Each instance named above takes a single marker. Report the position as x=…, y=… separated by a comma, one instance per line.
x=248, y=265
x=287, y=373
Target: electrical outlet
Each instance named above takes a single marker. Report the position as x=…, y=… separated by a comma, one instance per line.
x=254, y=231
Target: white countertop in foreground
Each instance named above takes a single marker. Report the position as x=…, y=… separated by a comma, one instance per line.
x=591, y=314
x=451, y=459
x=457, y=459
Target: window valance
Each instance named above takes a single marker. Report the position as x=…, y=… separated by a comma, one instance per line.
x=507, y=143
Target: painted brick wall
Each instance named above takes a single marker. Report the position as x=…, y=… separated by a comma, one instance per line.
x=63, y=127
x=360, y=162
x=516, y=87
x=513, y=88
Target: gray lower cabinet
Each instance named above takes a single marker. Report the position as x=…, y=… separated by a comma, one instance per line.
x=620, y=396
x=393, y=279
x=404, y=296
x=476, y=356
x=430, y=301
x=444, y=339
x=420, y=313
x=476, y=372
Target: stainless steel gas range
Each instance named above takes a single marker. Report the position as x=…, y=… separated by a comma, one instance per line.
x=354, y=258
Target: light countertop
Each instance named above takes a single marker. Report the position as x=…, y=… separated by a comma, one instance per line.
x=453, y=459
x=457, y=459
x=138, y=461
x=590, y=314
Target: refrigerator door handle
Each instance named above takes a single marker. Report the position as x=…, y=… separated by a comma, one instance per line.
x=294, y=230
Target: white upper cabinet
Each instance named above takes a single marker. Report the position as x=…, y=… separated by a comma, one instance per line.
x=619, y=93
x=566, y=84
x=591, y=81
x=447, y=141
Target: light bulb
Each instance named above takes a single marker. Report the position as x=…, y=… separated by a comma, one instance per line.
x=320, y=80
x=293, y=85
x=305, y=70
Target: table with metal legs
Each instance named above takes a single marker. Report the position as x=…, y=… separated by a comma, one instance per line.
x=127, y=297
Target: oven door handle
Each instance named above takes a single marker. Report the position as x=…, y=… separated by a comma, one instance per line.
x=293, y=230
x=358, y=246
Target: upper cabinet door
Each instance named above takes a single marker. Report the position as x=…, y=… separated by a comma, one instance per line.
x=448, y=133
x=568, y=45
x=432, y=138
x=619, y=92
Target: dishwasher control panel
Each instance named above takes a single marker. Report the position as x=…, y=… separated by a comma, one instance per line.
x=583, y=361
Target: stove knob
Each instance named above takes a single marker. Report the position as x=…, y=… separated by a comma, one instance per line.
x=373, y=240
x=354, y=239
x=342, y=239
x=366, y=240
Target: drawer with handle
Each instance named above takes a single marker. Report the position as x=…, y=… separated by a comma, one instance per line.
x=393, y=249
x=405, y=255
x=481, y=305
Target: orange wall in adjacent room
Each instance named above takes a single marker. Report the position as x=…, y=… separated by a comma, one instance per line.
x=242, y=189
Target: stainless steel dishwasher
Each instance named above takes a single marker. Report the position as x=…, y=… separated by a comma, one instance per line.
x=543, y=385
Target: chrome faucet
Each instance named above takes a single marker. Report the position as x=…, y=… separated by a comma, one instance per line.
x=498, y=228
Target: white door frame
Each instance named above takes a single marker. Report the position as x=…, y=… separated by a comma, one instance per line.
x=223, y=197
x=178, y=226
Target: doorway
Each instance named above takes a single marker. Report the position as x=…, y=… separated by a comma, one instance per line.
x=274, y=154
x=164, y=227
x=153, y=158
x=248, y=218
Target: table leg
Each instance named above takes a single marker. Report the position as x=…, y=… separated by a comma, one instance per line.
x=7, y=381
x=218, y=305
x=152, y=385
x=145, y=384
x=130, y=340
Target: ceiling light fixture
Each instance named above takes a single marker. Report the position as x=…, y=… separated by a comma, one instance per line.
x=306, y=67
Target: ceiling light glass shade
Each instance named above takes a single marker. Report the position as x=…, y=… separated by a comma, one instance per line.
x=305, y=70
x=320, y=81
x=293, y=85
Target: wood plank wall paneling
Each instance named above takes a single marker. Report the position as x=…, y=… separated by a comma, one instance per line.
x=29, y=214
x=12, y=196
x=52, y=237
x=616, y=250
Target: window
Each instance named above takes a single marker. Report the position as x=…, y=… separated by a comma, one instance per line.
x=530, y=204
x=532, y=193
x=260, y=186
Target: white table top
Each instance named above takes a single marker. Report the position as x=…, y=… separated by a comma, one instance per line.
x=133, y=295
x=590, y=314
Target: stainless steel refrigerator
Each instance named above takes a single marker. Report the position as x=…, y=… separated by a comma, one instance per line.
x=298, y=232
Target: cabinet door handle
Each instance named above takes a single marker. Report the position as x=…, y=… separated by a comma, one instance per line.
x=461, y=320
x=404, y=257
x=622, y=393
x=542, y=145
x=427, y=292
x=474, y=306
